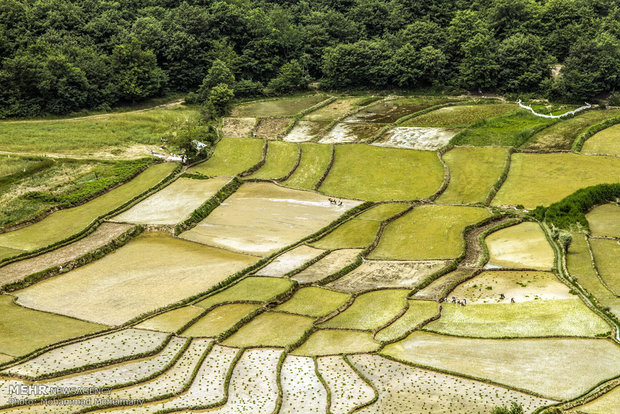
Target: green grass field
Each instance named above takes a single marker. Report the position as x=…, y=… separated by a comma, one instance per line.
x=257, y=289
x=507, y=130
x=607, y=257
x=10, y=165
x=562, y=135
x=281, y=158
x=542, y=179
x=65, y=223
x=428, y=232
x=173, y=320
x=271, y=329
x=232, y=156
x=604, y=220
x=361, y=231
x=604, y=142
x=459, y=116
x=220, y=319
x=337, y=341
x=24, y=330
x=278, y=107
x=418, y=312
x=536, y=318
x=107, y=133
x=314, y=160
x=314, y=301
x=376, y=174
x=370, y=310
x=473, y=172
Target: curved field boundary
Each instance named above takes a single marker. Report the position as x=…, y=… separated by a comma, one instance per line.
x=324, y=383
x=347, y=269
x=327, y=169
x=336, y=121
x=409, y=331
x=583, y=137
x=208, y=206
x=382, y=227
x=278, y=406
x=595, y=267
x=90, y=228
x=259, y=164
x=501, y=179
x=596, y=392
x=307, y=264
x=82, y=260
x=446, y=174
x=367, y=381
x=303, y=113
x=295, y=166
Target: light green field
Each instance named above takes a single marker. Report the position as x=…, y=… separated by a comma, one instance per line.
x=562, y=135
x=337, y=341
x=473, y=172
x=459, y=116
x=24, y=330
x=607, y=258
x=579, y=265
x=258, y=289
x=542, y=179
x=281, y=158
x=375, y=173
x=507, y=130
x=604, y=142
x=605, y=404
x=520, y=246
x=11, y=164
x=271, y=329
x=537, y=318
x=277, y=107
x=232, y=156
x=604, y=220
x=314, y=160
x=361, y=231
x=334, y=110
x=428, y=232
x=541, y=365
x=314, y=301
x=65, y=223
x=370, y=310
x=173, y=320
x=220, y=319
x=108, y=133
x=418, y=312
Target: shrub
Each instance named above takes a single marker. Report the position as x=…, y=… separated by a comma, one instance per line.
x=514, y=409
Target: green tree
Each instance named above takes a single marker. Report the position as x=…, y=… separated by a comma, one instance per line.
x=479, y=67
x=291, y=77
x=524, y=64
x=220, y=99
x=136, y=74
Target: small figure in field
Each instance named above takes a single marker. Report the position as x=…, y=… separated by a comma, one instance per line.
x=340, y=204
x=464, y=302
x=512, y=300
x=453, y=299
x=501, y=296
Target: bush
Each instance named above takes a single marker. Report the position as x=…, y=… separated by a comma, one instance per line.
x=514, y=409
x=248, y=88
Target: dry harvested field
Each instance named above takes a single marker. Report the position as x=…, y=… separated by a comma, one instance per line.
x=386, y=274
x=261, y=218
x=416, y=138
x=104, y=234
x=174, y=203
x=520, y=246
x=270, y=128
x=538, y=365
x=238, y=127
x=134, y=279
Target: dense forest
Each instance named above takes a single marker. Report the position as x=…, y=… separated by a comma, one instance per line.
x=60, y=56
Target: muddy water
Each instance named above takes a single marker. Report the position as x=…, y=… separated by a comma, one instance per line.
x=417, y=138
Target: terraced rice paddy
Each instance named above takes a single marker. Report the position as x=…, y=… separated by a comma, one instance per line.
x=606, y=403
x=418, y=312
x=520, y=246
x=281, y=159
x=346, y=132
x=327, y=266
x=277, y=107
x=542, y=179
x=220, y=319
x=315, y=159
x=238, y=127
x=301, y=387
x=603, y=142
x=305, y=131
x=261, y=218
x=314, y=301
x=337, y=341
x=232, y=156
x=112, y=290
x=377, y=174
x=334, y=110
x=459, y=116
x=539, y=365
x=290, y=261
x=416, y=138
x=473, y=172
x=349, y=391
x=271, y=128
x=256, y=289
x=607, y=258
x=173, y=320
x=604, y=221
x=428, y=232
x=174, y=203
x=66, y=223
x=272, y=329
x=388, y=111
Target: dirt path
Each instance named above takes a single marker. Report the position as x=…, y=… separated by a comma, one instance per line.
x=474, y=250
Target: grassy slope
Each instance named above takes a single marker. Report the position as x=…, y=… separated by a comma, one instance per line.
x=92, y=134
x=459, y=116
x=375, y=173
x=232, y=156
x=65, y=223
x=542, y=179
x=427, y=232
x=281, y=158
x=314, y=160
x=473, y=171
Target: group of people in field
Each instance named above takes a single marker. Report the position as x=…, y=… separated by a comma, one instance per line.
x=463, y=302
x=335, y=202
